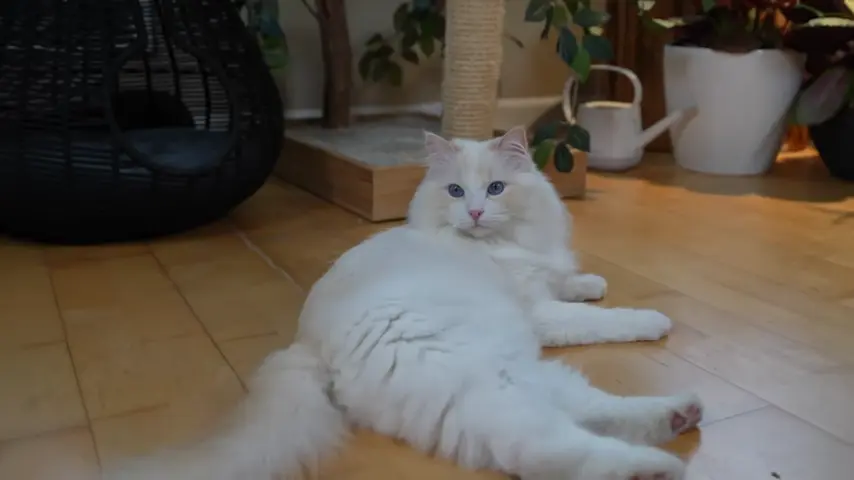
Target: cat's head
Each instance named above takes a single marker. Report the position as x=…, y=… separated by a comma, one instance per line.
x=477, y=187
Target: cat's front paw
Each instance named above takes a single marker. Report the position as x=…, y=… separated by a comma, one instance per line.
x=649, y=324
x=584, y=287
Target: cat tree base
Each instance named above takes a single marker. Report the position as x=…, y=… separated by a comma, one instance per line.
x=373, y=168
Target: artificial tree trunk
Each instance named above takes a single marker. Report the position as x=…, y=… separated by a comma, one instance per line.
x=337, y=53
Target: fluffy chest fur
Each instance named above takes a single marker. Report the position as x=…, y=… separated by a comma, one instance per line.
x=419, y=295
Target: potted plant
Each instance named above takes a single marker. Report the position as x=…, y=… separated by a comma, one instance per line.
x=826, y=101
x=729, y=61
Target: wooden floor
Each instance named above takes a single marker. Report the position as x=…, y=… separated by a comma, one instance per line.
x=115, y=350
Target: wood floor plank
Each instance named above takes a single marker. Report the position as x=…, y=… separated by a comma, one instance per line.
x=772, y=304
x=799, y=380
x=765, y=241
x=769, y=444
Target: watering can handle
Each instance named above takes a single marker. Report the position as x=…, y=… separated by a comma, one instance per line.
x=570, y=89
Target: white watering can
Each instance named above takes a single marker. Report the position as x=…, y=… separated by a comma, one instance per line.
x=617, y=138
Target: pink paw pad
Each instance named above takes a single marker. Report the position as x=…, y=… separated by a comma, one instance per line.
x=686, y=420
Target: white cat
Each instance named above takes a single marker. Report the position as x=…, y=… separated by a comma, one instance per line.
x=431, y=333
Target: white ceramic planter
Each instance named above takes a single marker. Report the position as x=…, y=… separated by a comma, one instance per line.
x=741, y=101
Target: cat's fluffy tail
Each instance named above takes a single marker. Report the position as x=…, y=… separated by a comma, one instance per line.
x=285, y=426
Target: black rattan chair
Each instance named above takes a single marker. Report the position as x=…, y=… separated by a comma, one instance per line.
x=127, y=119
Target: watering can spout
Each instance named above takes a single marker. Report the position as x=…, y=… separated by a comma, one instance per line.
x=659, y=127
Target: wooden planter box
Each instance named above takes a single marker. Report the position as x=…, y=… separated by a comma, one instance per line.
x=572, y=184
x=380, y=193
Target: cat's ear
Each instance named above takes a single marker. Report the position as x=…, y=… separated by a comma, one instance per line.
x=439, y=150
x=513, y=148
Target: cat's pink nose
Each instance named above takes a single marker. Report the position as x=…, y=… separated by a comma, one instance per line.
x=475, y=214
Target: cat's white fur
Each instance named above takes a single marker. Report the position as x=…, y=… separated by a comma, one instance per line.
x=431, y=333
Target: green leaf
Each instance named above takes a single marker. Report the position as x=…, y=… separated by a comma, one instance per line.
x=587, y=18
x=829, y=22
x=376, y=39
x=545, y=132
x=542, y=153
x=709, y=4
x=410, y=56
x=271, y=39
x=567, y=46
x=578, y=138
x=438, y=22
x=547, y=25
x=395, y=74
x=645, y=5
x=401, y=14
x=598, y=47
x=410, y=38
x=560, y=16
x=536, y=10
x=365, y=64
x=428, y=27
x=801, y=13
x=849, y=4
x=670, y=23
x=381, y=68
x=571, y=5
x=564, y=162
x=419, y=5
x=384, y=52
x=427, y=44
x=823, y=98
x=581, y=64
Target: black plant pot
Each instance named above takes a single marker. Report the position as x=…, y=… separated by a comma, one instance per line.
x=835, y=143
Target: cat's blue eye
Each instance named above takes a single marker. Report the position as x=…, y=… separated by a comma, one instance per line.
x=455, y=190
x=495, y=188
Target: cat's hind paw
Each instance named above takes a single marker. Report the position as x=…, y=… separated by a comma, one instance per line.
x=687, y=415
x=672, y=416
x=654, y=476
x=656, y=465
x=638, y=463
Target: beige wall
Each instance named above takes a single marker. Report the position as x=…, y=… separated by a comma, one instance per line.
x=530, y=72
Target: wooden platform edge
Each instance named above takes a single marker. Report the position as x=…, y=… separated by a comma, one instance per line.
x=382, y=194
x=374, y=193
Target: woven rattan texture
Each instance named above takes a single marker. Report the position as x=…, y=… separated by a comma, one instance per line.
x=123, y=119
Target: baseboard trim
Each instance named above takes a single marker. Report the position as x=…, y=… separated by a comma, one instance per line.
x=433, y=108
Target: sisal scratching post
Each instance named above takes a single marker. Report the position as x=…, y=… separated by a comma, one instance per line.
x=472, y=67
